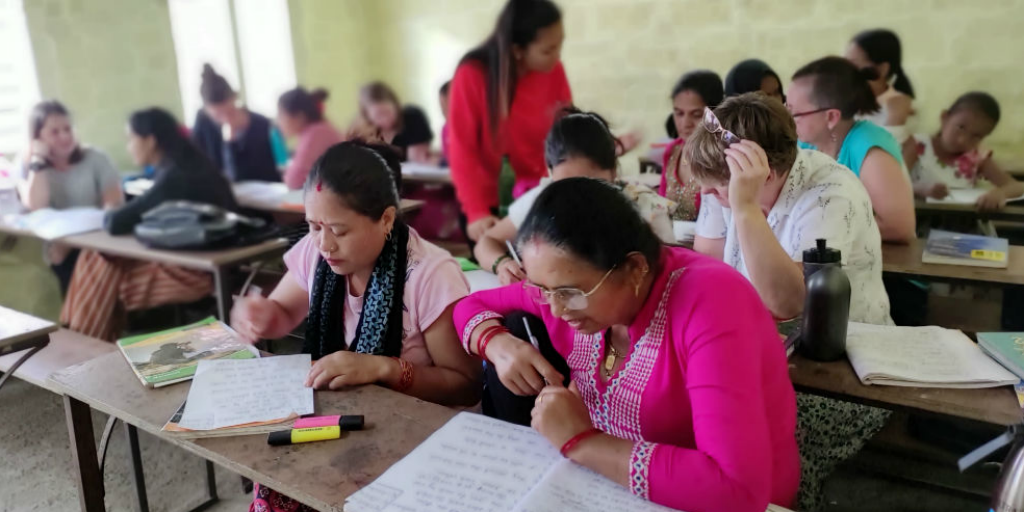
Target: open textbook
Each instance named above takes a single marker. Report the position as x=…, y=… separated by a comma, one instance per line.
x=480, y=464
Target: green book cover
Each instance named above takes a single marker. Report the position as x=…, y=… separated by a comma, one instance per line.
x=1005, y=347
x=170, y=356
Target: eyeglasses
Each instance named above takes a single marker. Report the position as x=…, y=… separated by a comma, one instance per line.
x=570, y=298
x=712, y=125
x=809, y=112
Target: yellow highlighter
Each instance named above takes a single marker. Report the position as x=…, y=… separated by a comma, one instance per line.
x=303, y=435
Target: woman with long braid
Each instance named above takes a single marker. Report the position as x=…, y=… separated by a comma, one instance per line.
x=378, y=298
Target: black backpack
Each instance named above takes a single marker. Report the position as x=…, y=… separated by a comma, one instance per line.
x=189, y=225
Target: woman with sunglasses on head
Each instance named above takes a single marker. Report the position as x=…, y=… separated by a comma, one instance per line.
x=879, y=54
x=670, y=396
x=823, y=99
x=767, y=201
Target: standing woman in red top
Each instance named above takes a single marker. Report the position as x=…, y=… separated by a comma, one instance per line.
x=504, y=98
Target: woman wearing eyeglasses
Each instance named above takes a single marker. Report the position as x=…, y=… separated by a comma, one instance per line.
x=824, y=98
x=670, y=396
x=767, y=201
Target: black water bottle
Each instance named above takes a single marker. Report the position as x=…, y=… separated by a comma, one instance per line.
x=826, y=306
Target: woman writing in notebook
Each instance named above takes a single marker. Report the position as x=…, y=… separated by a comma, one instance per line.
x=404, y=127
x=579, y=144
x=670, y=396
x=377, y=298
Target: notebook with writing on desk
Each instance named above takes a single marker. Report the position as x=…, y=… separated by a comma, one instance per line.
x=928, y=356
x=475, y=463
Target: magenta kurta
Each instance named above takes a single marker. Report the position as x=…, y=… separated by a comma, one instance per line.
x=704, y=392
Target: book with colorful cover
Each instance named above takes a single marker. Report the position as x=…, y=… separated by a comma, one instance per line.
x=170, y=356
x=1007, y=348
x=948, y=248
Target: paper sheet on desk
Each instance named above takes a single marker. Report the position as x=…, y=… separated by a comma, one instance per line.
x=236, y=392
x=50, y=224
x=965, y=196
x=928, y=356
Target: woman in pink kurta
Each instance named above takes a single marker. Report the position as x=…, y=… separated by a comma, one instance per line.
x=673, y=357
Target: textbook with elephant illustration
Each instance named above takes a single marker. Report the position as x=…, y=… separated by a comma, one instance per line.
x=166, y=357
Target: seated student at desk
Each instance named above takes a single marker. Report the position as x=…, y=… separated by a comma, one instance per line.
x=953, y=158
x=694, y=91
x=672, y=356
x=823, y=99
x=61, y=173
x=300, y=114
x=579, y=144
x=766, y=202
x=104, y=288
x=383, y=117
x=378, y=298
x=244, y=144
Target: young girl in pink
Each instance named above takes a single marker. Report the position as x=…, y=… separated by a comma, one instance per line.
x=679, y=384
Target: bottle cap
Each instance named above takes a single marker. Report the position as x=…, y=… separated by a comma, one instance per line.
x=822, y=254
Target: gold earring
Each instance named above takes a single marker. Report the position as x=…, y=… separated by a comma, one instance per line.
x=636, y=290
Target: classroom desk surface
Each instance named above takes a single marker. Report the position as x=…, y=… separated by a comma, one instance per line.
x=66, y=348
x=906, y=259
x=127, y=246
x=320, y=475
x=1012, y=211
x=838, y=380
x=16, y=328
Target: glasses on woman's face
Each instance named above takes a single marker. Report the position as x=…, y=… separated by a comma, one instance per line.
x=712, y=125
x=569, y=298
x=797, y=115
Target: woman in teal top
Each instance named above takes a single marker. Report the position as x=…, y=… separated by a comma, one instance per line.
x=824, y=98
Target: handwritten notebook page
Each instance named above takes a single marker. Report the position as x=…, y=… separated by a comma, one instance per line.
x=229, y=392
x=921, y=356
x=471, y=464
x=50, y=224
x=568, y=486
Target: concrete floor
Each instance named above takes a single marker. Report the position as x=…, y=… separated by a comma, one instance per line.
x=36, y=472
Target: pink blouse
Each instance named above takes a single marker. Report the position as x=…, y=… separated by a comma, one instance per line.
x=704, y=392
x=314, y=141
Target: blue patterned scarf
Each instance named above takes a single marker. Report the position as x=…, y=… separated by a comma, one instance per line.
x=380, y=328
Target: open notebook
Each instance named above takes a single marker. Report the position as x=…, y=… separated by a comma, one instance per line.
x=929, y=356
x=480, y=464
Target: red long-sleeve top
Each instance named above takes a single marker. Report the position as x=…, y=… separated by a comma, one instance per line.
x=475, y=151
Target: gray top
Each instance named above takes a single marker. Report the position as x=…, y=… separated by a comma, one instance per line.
x=83, y=184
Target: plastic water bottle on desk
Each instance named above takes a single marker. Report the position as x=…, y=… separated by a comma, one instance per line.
x=826, y=305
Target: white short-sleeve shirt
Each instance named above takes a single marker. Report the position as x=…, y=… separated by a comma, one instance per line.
x=820, y=199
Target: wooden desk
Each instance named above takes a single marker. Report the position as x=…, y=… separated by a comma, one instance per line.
x=838, y=380
x=320, y=475
x=21, y=332
x=422, y=173
x=1012, y=211
x=217, y=262
x=66, y=348
x=906, y=260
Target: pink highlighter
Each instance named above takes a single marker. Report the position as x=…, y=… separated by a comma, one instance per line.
x=351, y=422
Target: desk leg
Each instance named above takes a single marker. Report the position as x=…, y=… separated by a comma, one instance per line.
x=83, y=455
x=223, y=292
x=138, y=477
x=18, y=363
